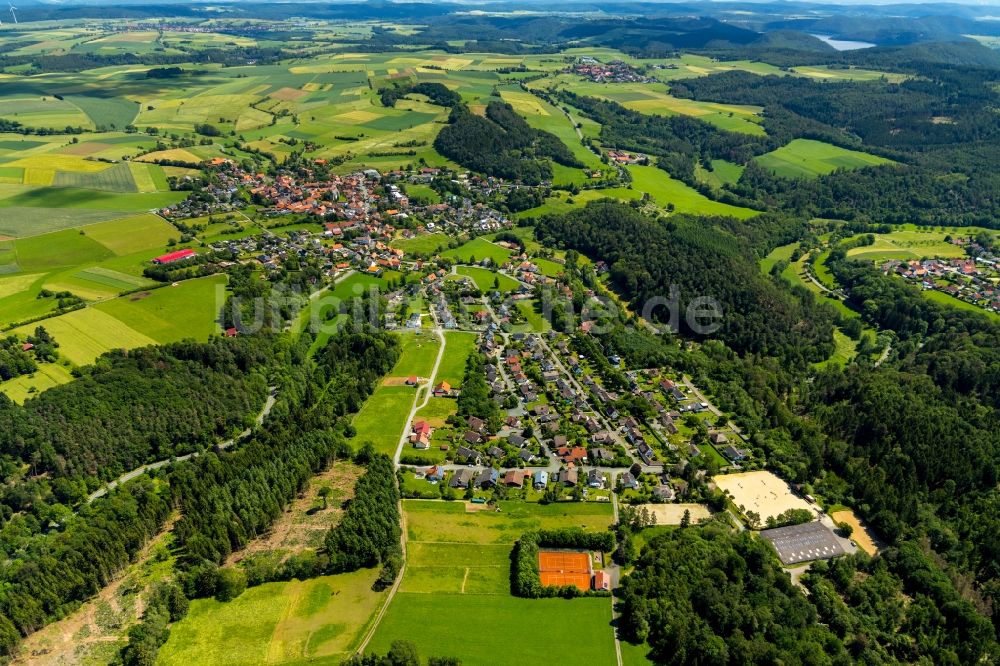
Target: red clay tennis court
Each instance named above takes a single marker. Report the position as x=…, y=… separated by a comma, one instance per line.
x=564, y=568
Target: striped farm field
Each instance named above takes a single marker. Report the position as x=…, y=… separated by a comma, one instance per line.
x=116, y=179
x=85, y=334
x=111, y=278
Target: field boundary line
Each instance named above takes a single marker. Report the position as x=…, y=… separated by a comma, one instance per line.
x=395, y=585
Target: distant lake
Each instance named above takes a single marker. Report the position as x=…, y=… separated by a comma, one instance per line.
x=843, y=44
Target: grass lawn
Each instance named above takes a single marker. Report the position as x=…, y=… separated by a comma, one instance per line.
x=437, y=411
x=536, y=323
x=457, y=568
x=948, y=299
x=805, y=158
x=449, y=522
x=548, y=267
x=318, y=620
x=383, y=417
x=133, y=234
x=845, y=351
x=58, y=249
x=635, y=655
x=432, y=621
x=478, y=249
x=903, y=244
x=169, y=314
x=783, y=253
x=459, y=571
x=665, y=190
x=456, y=352
x=485, y=278
x=419, y=352
x=424, y=244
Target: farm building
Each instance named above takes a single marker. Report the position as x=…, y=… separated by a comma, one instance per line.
x=802, y=543
x=179, y=255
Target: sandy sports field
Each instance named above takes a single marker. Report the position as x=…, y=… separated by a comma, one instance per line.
x=672, y=514
x=762, y=492
x=860, y=535
x=562, y=567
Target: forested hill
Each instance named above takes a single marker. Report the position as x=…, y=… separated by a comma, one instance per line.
x=502, y=144
x=133, y=408
x=647, y=257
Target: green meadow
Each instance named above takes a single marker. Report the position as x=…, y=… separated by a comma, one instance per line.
x=459, y=347
x=665, y=191
x=321, y=620
x=805, y=158
x=460, y=571
x=487, y=280
x=478, y=249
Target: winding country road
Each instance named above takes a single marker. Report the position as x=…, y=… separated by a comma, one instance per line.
x=139, y=471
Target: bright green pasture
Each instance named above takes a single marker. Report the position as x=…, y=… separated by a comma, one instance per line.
x=478, y=249
x=951, y=301
x=536, y=323
x=169, y=314
x=515, y=631
x=133, y=234
x=85, y=334
x=666, y=190
x=424, y=244
x=485, y=278
x=419, y=353
x=459, y=347
x=383, y=417
x=47, y=376
x=449, y=521
x=321, y=620
x=905, y=245
x=805, y=158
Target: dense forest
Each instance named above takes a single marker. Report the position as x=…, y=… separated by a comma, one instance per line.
x=134, y=407
x=502, y=144
x=738, y=606
x=225, y=498
x=649, y=258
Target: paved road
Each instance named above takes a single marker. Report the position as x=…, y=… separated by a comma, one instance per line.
x=139, y=471
x=427, y=387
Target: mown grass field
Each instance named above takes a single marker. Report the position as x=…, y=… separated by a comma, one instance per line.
x=314, y=621
x=133, y=234
x=382, y=418
x=459, y=347
x=487, y=280
x=805, y=158
x=665, y=190
x=514, y=631
x=908, y=244
x=459, y=573
x=478, y=249
x=449, y=521
x=428, y=244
